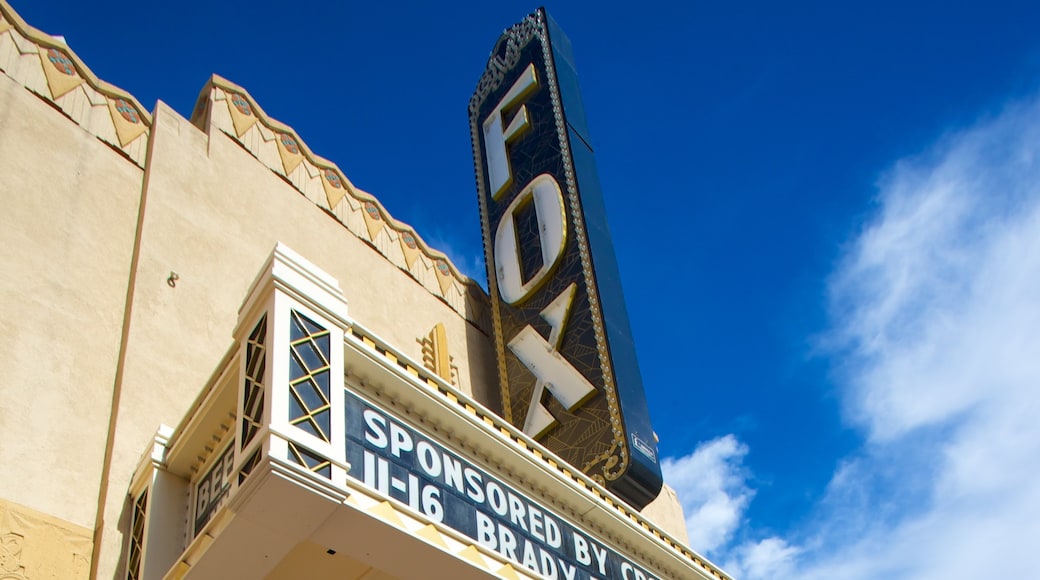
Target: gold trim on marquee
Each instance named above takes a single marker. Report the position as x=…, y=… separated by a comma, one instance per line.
x=452, y=397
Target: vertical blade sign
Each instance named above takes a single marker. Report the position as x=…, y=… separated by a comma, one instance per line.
x=566, y=361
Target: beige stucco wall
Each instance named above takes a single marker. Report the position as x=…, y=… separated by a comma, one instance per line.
x=212, y=215
x=667, y=513
x=70, y=211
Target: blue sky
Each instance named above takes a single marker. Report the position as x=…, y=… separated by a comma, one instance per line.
x=827, y=220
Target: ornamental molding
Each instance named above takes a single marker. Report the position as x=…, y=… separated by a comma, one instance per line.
x=51, y=70
x=230, y=108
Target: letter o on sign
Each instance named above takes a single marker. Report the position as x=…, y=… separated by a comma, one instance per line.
x=552, y=233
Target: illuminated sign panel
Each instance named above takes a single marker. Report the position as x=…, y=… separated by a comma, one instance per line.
x=394, y=458
x=567, y=365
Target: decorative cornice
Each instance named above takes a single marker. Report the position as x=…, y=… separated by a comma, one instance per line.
x=54, y=72
x=229, y=107
x=50, y=69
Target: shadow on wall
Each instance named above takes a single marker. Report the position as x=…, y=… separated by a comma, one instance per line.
x=480, y=351
x=123, y=527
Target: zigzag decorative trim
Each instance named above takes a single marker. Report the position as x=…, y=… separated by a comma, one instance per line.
x=230, y=108
x=47, y=67
x=446, y=540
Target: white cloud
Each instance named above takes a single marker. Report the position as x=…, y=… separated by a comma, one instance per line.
x=936, y=343
x=937, y=334
x=711, y=486
x=942, y=278
x=766, y=559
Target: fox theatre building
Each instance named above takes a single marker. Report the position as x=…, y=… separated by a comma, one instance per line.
x=262, y=406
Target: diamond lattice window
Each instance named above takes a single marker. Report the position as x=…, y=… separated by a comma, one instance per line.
x=311, y=461
x=253, y=407
x=309, y=374
x=248, y=466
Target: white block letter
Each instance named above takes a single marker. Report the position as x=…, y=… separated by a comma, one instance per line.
x=500, y=171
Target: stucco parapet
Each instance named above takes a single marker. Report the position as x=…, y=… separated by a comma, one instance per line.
x=50, y=69
x=230, y=108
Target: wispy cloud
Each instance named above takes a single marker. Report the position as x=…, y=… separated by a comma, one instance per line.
x=711, y=484
x=935, y=339
x=936, y=325
x=769, y=558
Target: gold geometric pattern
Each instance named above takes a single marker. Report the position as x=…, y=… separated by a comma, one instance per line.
x=310, y=406
x=241, y=113
x=60, y=71
x=289, y=151
x=386, y=512
x=127, y=121
x=54, y=72
x=447, y=541
x=444, y=275
x=435, y=354
x=508, y=572
x=410, y=248
x=333, y=184
x=373, y=220
x=472, y=554
x=311, y=461
x=431, y=534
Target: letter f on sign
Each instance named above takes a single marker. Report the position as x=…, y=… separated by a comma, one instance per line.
x=500, y=171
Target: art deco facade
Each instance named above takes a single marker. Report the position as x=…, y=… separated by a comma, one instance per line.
x=224, y=360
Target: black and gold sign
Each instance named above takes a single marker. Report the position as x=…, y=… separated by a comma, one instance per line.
x=567, y=364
